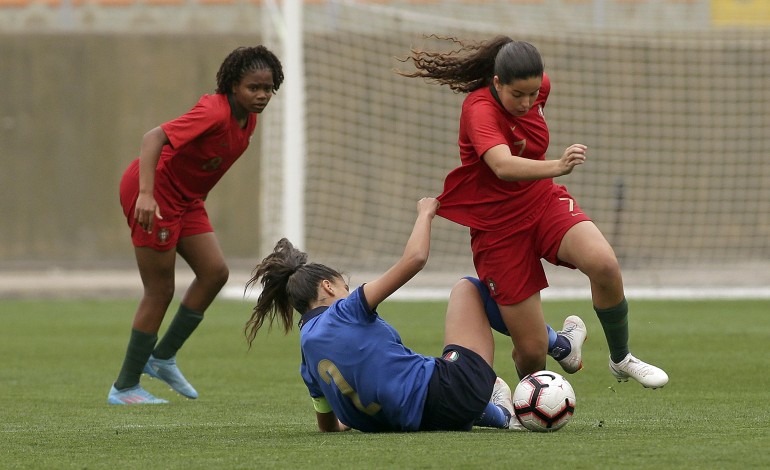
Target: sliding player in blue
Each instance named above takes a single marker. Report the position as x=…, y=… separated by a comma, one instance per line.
x=358, y=372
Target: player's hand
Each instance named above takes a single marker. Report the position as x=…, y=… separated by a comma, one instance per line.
x=343, y=426
x=428, y=206
x=573, y=156
x=146, y=211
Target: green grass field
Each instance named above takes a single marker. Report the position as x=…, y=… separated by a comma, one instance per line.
x=60, y=357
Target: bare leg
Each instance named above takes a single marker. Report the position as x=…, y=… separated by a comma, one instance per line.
x=526, y=325
x=466, y=322
x=467, y=325
x=156, y=269
x=584, y=247
x=204, y=255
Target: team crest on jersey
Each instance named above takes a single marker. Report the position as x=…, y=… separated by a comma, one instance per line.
x=492, y=285
x=163, y=235
x=212, y=164
x=452, y=356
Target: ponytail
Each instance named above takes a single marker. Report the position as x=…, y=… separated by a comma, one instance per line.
x=474, y=64
x=289, y=283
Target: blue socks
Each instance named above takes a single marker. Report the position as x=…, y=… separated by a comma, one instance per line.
x=558, y=346
x=552, y=337
x=494, y=417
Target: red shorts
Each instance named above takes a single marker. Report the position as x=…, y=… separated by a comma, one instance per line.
x=181, y=217
x=509, y=261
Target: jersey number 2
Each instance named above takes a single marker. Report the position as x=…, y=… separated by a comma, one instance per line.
x=329, y=372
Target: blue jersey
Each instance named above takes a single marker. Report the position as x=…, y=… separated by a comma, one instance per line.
x=357, y=361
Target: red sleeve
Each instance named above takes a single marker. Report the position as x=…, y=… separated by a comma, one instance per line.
x=202, y=118
x=481, y=120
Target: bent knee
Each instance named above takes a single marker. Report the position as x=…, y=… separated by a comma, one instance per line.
x=529, y=361
x=603, y=267
x=531, y=349
x=463, y=287
x=220, y=275
x=161, y=291
x=214, y=276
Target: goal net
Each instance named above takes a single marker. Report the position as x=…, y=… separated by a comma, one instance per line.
x=677, y=122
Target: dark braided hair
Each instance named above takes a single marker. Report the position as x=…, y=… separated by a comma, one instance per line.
x=247, y=59
x=474, y=64
x=289, y=283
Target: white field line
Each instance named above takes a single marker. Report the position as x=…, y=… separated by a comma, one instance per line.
x=571, y=293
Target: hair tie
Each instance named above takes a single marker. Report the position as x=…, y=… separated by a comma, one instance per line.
x=296, y=268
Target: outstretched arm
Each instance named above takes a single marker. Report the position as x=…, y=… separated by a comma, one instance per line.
x=411, y=262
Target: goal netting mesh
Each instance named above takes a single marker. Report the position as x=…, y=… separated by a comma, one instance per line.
x=677, y=123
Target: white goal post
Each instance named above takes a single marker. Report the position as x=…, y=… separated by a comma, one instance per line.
x=288, y=212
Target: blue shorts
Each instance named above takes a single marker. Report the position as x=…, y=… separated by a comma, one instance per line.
x=458, y=392
x=490, y=307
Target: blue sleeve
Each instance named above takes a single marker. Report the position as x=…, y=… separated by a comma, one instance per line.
x=355, y=309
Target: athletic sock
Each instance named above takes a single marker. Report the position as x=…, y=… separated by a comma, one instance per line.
x=494, y=416
x=185, y=322
x=551, y=336
x=614, y=322
x=140, y=346
x=560, y=349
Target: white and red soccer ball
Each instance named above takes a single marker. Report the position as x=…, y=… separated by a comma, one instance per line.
x=544, y=401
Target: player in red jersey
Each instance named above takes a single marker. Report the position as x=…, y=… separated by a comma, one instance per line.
x=504, y=192
x=162, y=193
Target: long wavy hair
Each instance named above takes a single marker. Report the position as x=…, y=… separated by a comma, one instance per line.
x=472, y=65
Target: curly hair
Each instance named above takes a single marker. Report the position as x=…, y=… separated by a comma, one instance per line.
x=289, y=283
x=247, y=59
x=474, y=64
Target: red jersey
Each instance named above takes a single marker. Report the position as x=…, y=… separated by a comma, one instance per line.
x=473, y=195
x=204, y=144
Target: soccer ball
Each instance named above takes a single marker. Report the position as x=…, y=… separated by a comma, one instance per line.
x=544, y=401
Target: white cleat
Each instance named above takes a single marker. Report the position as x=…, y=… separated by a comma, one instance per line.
x=503, y=397
x=515, y=425
x=575, y=331
x=646, y=374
